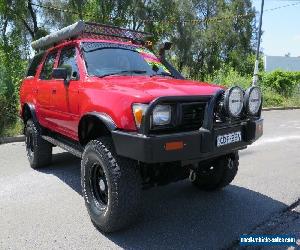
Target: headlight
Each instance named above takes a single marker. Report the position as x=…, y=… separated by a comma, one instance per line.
x=161, y=115
x=139, y=110
x=253, y=100
x=233, y=101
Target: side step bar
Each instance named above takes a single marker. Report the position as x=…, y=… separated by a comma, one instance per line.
x=65, y=144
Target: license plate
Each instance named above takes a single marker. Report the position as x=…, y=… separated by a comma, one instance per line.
x=230, y=138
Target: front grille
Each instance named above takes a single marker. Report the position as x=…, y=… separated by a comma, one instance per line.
x=186, y=116
x=192, y=115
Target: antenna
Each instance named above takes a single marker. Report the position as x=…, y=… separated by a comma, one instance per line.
x=255, y=74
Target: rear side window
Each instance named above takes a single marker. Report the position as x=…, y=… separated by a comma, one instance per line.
x=47, y=69
x=68, y=60
x=35, y=62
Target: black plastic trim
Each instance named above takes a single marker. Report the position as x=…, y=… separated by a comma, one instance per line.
x=175, y=73
x=200, y=144
x=31, y=107
x=103, y=117
x=70, y=147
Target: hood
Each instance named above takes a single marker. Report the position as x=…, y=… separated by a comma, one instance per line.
x=159, y=86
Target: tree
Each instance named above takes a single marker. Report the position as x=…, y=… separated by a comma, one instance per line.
x=220, y=32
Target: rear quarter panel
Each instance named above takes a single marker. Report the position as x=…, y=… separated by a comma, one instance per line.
x=27, y=92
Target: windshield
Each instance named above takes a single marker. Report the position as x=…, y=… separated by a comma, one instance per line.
x=103, y=59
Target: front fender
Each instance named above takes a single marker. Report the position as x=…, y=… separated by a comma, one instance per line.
x=103, y=117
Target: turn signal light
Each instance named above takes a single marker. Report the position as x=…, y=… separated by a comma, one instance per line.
x=174, y=145
x=139, y=110
x=138, y=114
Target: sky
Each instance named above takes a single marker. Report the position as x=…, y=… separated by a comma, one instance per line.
x=281, y=27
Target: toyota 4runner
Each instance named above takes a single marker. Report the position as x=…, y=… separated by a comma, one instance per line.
x=100, y=92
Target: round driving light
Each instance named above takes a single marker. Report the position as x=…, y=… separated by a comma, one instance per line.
x=233, y=101
x=253, y=100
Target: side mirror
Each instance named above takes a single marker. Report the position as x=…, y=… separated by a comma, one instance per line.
x=60, y=73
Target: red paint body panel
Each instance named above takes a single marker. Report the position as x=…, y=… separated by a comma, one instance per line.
x=60, y=107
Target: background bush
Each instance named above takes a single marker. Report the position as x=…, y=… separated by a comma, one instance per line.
x=228, y=76
x=12, y=70
x=280, y=88
x=282, y=82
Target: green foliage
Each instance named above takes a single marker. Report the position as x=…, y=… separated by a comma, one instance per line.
x=278, y=87
x=40, y=33
x=13, y=129
x=207, y=44
x=9, y=122
x=227, y=76
x=272, y=99
x=12, y=68
x=3, y=110
x=282, y=82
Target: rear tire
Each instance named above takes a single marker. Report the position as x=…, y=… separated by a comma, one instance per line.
x=218, y=174
x=111, y=186
x=39, y=151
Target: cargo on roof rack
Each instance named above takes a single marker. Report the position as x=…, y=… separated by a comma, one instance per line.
x=87, y=30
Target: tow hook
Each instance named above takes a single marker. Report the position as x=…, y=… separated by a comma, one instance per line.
x=192, y=176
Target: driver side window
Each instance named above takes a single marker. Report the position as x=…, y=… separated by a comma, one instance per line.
x=68, y=60
x=46, y=73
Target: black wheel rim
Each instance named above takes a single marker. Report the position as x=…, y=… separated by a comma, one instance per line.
x=99, y=185
x=29, y=143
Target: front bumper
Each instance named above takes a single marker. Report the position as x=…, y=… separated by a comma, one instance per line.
x=197, y=145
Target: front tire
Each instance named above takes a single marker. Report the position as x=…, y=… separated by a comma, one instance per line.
x=111, y=186
x=217, y=174
x=39, y=151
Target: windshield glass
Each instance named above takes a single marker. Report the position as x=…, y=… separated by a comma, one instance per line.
x=103, y=59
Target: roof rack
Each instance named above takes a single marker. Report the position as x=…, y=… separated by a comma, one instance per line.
x=90, y=30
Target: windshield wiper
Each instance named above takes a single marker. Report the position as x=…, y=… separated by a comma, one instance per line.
x=155, y=68
x=162, y=74
x=123, y=72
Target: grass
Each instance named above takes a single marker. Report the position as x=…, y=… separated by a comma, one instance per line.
x=273, y=99
x=292, y=102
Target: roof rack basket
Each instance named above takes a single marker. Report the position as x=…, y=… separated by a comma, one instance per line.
x=90, y=30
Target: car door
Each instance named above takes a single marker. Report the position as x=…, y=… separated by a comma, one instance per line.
x=65, y=95
x=44, y=89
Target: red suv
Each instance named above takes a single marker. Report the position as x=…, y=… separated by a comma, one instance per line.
x=101, y=93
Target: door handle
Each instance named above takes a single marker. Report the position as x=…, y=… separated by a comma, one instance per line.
x=53, y=91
